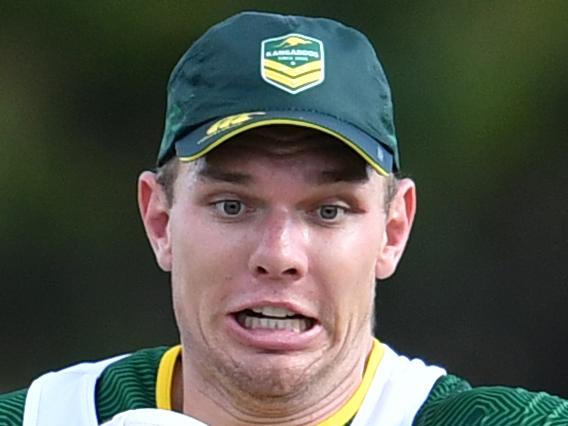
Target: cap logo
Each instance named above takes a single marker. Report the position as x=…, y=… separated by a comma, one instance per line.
x=228, y=123
x=293, y=62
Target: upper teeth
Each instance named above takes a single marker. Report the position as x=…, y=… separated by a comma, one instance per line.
x=271, y=311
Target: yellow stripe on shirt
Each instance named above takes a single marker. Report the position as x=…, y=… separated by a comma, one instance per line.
x=348, y=411
x=165, y=378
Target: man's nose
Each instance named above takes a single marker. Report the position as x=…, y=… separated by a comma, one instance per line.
x=280, y=248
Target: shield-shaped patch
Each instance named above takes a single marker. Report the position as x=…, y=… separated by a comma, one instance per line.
x=293, y=62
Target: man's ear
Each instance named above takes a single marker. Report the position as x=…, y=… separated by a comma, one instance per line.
x=155, y=213
x=400, y=217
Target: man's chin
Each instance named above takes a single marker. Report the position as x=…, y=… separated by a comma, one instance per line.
x=271, y=376
x=273, y=383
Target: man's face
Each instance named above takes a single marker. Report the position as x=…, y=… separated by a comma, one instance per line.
x=274, y=244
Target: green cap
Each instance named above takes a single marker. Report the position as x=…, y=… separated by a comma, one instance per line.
x=256, y=69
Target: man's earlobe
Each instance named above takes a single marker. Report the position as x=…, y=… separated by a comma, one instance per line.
x=155, y=213
x=400, y=218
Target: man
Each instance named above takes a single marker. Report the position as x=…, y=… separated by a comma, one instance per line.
x=275, y=208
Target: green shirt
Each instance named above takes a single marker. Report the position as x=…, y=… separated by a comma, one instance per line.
x=131, y=383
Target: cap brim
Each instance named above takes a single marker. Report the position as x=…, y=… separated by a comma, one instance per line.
x=210, y=135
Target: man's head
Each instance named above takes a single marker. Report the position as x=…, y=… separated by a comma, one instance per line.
x=275, y=227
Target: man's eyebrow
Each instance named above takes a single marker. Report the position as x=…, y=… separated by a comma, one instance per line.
x=215, y=174
x=348, y=175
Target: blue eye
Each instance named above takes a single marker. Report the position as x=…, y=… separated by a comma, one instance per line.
x=331, y=212
x=230, y=208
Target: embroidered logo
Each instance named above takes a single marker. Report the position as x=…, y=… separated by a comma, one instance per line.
x=293, y=62
x=228, y=123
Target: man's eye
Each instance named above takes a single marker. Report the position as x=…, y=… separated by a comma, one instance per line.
x=231, y=208
x=331, y=212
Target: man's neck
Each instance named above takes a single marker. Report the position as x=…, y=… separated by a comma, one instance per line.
x=215, y=404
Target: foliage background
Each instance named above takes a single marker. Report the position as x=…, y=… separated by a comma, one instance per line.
x=481, y=99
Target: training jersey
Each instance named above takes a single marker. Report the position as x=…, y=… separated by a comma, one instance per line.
x=395, y=391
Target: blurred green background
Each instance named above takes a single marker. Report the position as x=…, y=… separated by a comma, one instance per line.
x=481, y=92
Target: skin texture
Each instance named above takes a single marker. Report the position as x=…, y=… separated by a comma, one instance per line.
x=285, y=217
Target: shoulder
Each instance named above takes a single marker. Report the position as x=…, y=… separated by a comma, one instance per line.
x=124, y=384
x=453, y=402
x=12, y=408
x=129, y=383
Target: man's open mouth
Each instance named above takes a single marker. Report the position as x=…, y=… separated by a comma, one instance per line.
x=273, y=318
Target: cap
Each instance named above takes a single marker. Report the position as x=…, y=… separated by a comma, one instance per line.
x=257, y=69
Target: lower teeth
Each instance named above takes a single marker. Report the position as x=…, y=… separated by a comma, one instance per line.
x=297, y=325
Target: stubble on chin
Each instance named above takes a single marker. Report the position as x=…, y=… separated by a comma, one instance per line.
x=265, y=381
